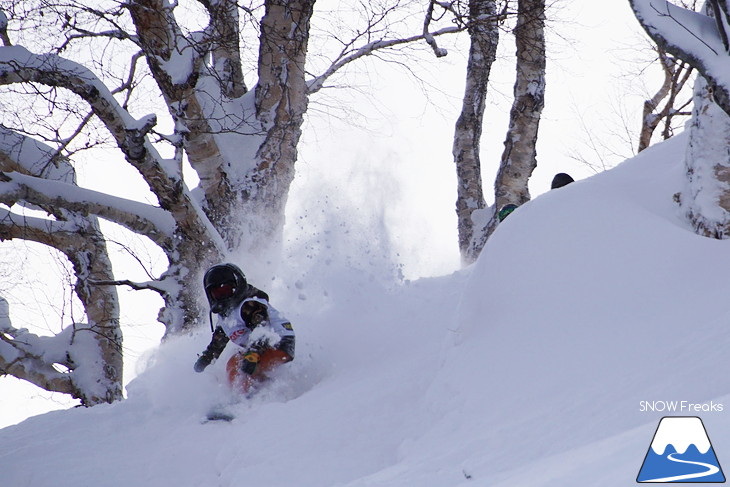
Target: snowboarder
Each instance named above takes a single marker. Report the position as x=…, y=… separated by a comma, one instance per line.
x=505, y=211
x=561, y=179
x=246, y=318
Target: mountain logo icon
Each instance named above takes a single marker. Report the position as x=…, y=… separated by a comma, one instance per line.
x=680, y=452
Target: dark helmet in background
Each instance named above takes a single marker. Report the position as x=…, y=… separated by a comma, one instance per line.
x=561, y=179
x=225, y=285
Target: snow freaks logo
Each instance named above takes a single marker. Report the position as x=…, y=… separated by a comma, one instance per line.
x=680, y=407
x=680, y=452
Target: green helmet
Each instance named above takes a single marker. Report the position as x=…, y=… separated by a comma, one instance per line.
x=505, y=211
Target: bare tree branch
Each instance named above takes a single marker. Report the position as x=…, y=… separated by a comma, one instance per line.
x=346, y=57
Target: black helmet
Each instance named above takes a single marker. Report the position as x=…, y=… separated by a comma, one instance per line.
x=561, y=179
x=225, y=285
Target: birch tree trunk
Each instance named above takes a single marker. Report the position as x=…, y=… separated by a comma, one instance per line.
x=519, y=158
x=470, y=204
x=705, y=198
x=281, y=101
x=476, y=220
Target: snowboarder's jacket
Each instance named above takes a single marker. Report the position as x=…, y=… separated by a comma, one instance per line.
x=254, y=325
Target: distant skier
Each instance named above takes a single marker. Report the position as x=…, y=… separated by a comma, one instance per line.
x=246, y=318
x=505, y=211
x=561, y=179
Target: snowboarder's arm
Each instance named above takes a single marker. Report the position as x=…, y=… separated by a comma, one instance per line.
x=213, y=350
x=254, y=312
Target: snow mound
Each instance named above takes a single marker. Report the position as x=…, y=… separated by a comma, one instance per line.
x=529, y=368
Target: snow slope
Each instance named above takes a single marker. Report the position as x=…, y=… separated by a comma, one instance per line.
x=527, y=369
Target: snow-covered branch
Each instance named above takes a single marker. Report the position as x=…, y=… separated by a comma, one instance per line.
x=694, y=37
x=137, y=286
x=147, y=220
x=54, y=233
x=18, y=65
x=430, y=39
x=26, y=155
x=21, y=355
x=33, y=358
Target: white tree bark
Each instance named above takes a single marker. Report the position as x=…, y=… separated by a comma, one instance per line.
x=519, y=158
x=706, y=196
x=470, y=203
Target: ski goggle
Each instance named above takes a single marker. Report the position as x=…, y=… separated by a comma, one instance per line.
x=222, y=291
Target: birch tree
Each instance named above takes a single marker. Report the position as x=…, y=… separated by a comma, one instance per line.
x=669, y=101
x=670, y=104
x=519, y=158
x=234, y=83
x=470, y=202
x=476, y=220
x=700, y=39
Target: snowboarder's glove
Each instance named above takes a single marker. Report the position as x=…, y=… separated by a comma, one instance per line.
x=203, y=361
x=250, y=362
x=213, y=350
x=253, y=313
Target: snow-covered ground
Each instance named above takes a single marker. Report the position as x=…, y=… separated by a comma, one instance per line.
x=533, y=367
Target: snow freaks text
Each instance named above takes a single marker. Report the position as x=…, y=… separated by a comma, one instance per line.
x=680, y=407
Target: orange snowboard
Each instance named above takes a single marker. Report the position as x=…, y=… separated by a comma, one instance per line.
x=241, y=381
